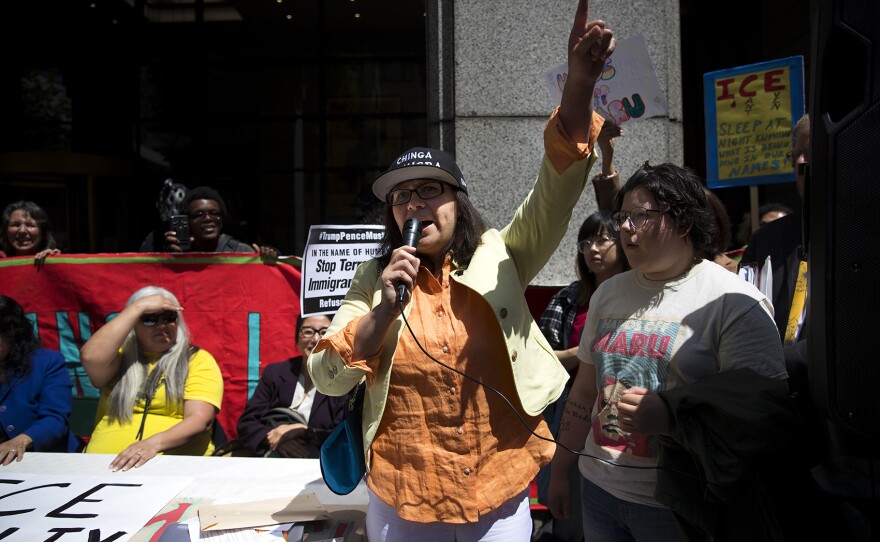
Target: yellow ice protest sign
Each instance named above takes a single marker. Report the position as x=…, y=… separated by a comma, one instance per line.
x=750, y=112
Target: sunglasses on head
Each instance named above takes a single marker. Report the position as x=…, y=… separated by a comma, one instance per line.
x=167, y=317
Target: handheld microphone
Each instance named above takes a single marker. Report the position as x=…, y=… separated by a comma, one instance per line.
x=412, y=232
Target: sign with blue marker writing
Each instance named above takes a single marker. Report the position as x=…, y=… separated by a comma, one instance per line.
x=331, y=257
x=628, y=88
x=750, y=112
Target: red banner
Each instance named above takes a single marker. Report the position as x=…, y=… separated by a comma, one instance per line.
x=238, y=308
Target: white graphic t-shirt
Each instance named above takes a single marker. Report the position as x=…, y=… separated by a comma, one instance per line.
x=658, y=335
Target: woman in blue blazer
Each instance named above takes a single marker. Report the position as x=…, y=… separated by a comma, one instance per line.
x=35, y=399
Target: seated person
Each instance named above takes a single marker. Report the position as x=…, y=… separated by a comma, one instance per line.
x=34, y=390
x=159, y=393
x=207, y=210
x=26, y=231
x=287, y=384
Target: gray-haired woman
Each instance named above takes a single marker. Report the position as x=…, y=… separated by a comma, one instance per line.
x=159, y=393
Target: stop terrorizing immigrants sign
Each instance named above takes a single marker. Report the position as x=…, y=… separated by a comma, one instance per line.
x=331, y=257
x=750, y=113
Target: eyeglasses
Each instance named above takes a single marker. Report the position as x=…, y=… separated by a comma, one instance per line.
x=600, y=242
x=166, y=317
x=793, y=155
x=309, y=332
x=637, y=217
x=213, y=213
x=399, y=196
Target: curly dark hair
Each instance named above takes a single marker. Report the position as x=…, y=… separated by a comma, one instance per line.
x=597, y=223
x=680, y=191
x=40, y=217
x=18, y=333
x=469, y=227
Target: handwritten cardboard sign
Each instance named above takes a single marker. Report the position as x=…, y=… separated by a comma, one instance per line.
x=750, y=112
x=331, y=257
x=67, y=508
x=628, y=88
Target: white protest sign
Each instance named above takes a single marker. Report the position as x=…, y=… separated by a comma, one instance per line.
x=43, y=507
x=331, y=256
x=628, y=88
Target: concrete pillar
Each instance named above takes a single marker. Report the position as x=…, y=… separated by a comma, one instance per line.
x=488, y=102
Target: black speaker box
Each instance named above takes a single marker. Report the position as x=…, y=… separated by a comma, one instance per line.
x=842, y=219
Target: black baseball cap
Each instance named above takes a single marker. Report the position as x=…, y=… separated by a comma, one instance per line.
x=420, y=163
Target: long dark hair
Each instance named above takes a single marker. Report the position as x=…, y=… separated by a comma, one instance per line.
x=40, y=217
x=18, y=332
x=598, y=223
x=469, y=227
x=680, y=191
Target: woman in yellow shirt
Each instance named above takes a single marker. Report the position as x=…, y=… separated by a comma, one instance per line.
x=159, y=393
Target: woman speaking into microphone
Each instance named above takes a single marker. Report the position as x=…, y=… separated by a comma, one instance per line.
x=448, y=459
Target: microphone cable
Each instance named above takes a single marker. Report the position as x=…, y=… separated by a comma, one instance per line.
x=526, y=425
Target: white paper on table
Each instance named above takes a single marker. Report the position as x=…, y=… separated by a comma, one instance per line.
x=274, y=533
x=265, y=512
x=766, y=284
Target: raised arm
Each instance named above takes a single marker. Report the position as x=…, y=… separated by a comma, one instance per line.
x=100, y=355
x=607, y=182
x=540, y=223
x=589, y=46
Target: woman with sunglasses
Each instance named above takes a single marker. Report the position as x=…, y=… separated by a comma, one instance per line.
x=159, y=392
x=674, y=320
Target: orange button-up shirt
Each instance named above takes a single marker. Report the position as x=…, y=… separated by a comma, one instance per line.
x=447, y=448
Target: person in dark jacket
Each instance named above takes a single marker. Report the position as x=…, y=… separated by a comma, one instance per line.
x=287, y=385
x=34, y=390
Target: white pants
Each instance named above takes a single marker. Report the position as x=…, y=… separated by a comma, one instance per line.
x=510, y=522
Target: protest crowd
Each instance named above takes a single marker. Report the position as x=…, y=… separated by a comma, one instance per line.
x=660, y=396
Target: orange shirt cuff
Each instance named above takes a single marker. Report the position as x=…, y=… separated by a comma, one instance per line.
x=560, y=149
x=343, y=343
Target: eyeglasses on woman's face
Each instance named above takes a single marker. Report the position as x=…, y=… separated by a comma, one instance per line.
x=165, y=317
x=400, y=196
x=601, y=242
x=309, y=332
x=637, y=217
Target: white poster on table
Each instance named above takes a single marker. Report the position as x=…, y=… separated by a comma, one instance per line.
x=71, y=508
x=628, y=88
x=331, y=257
